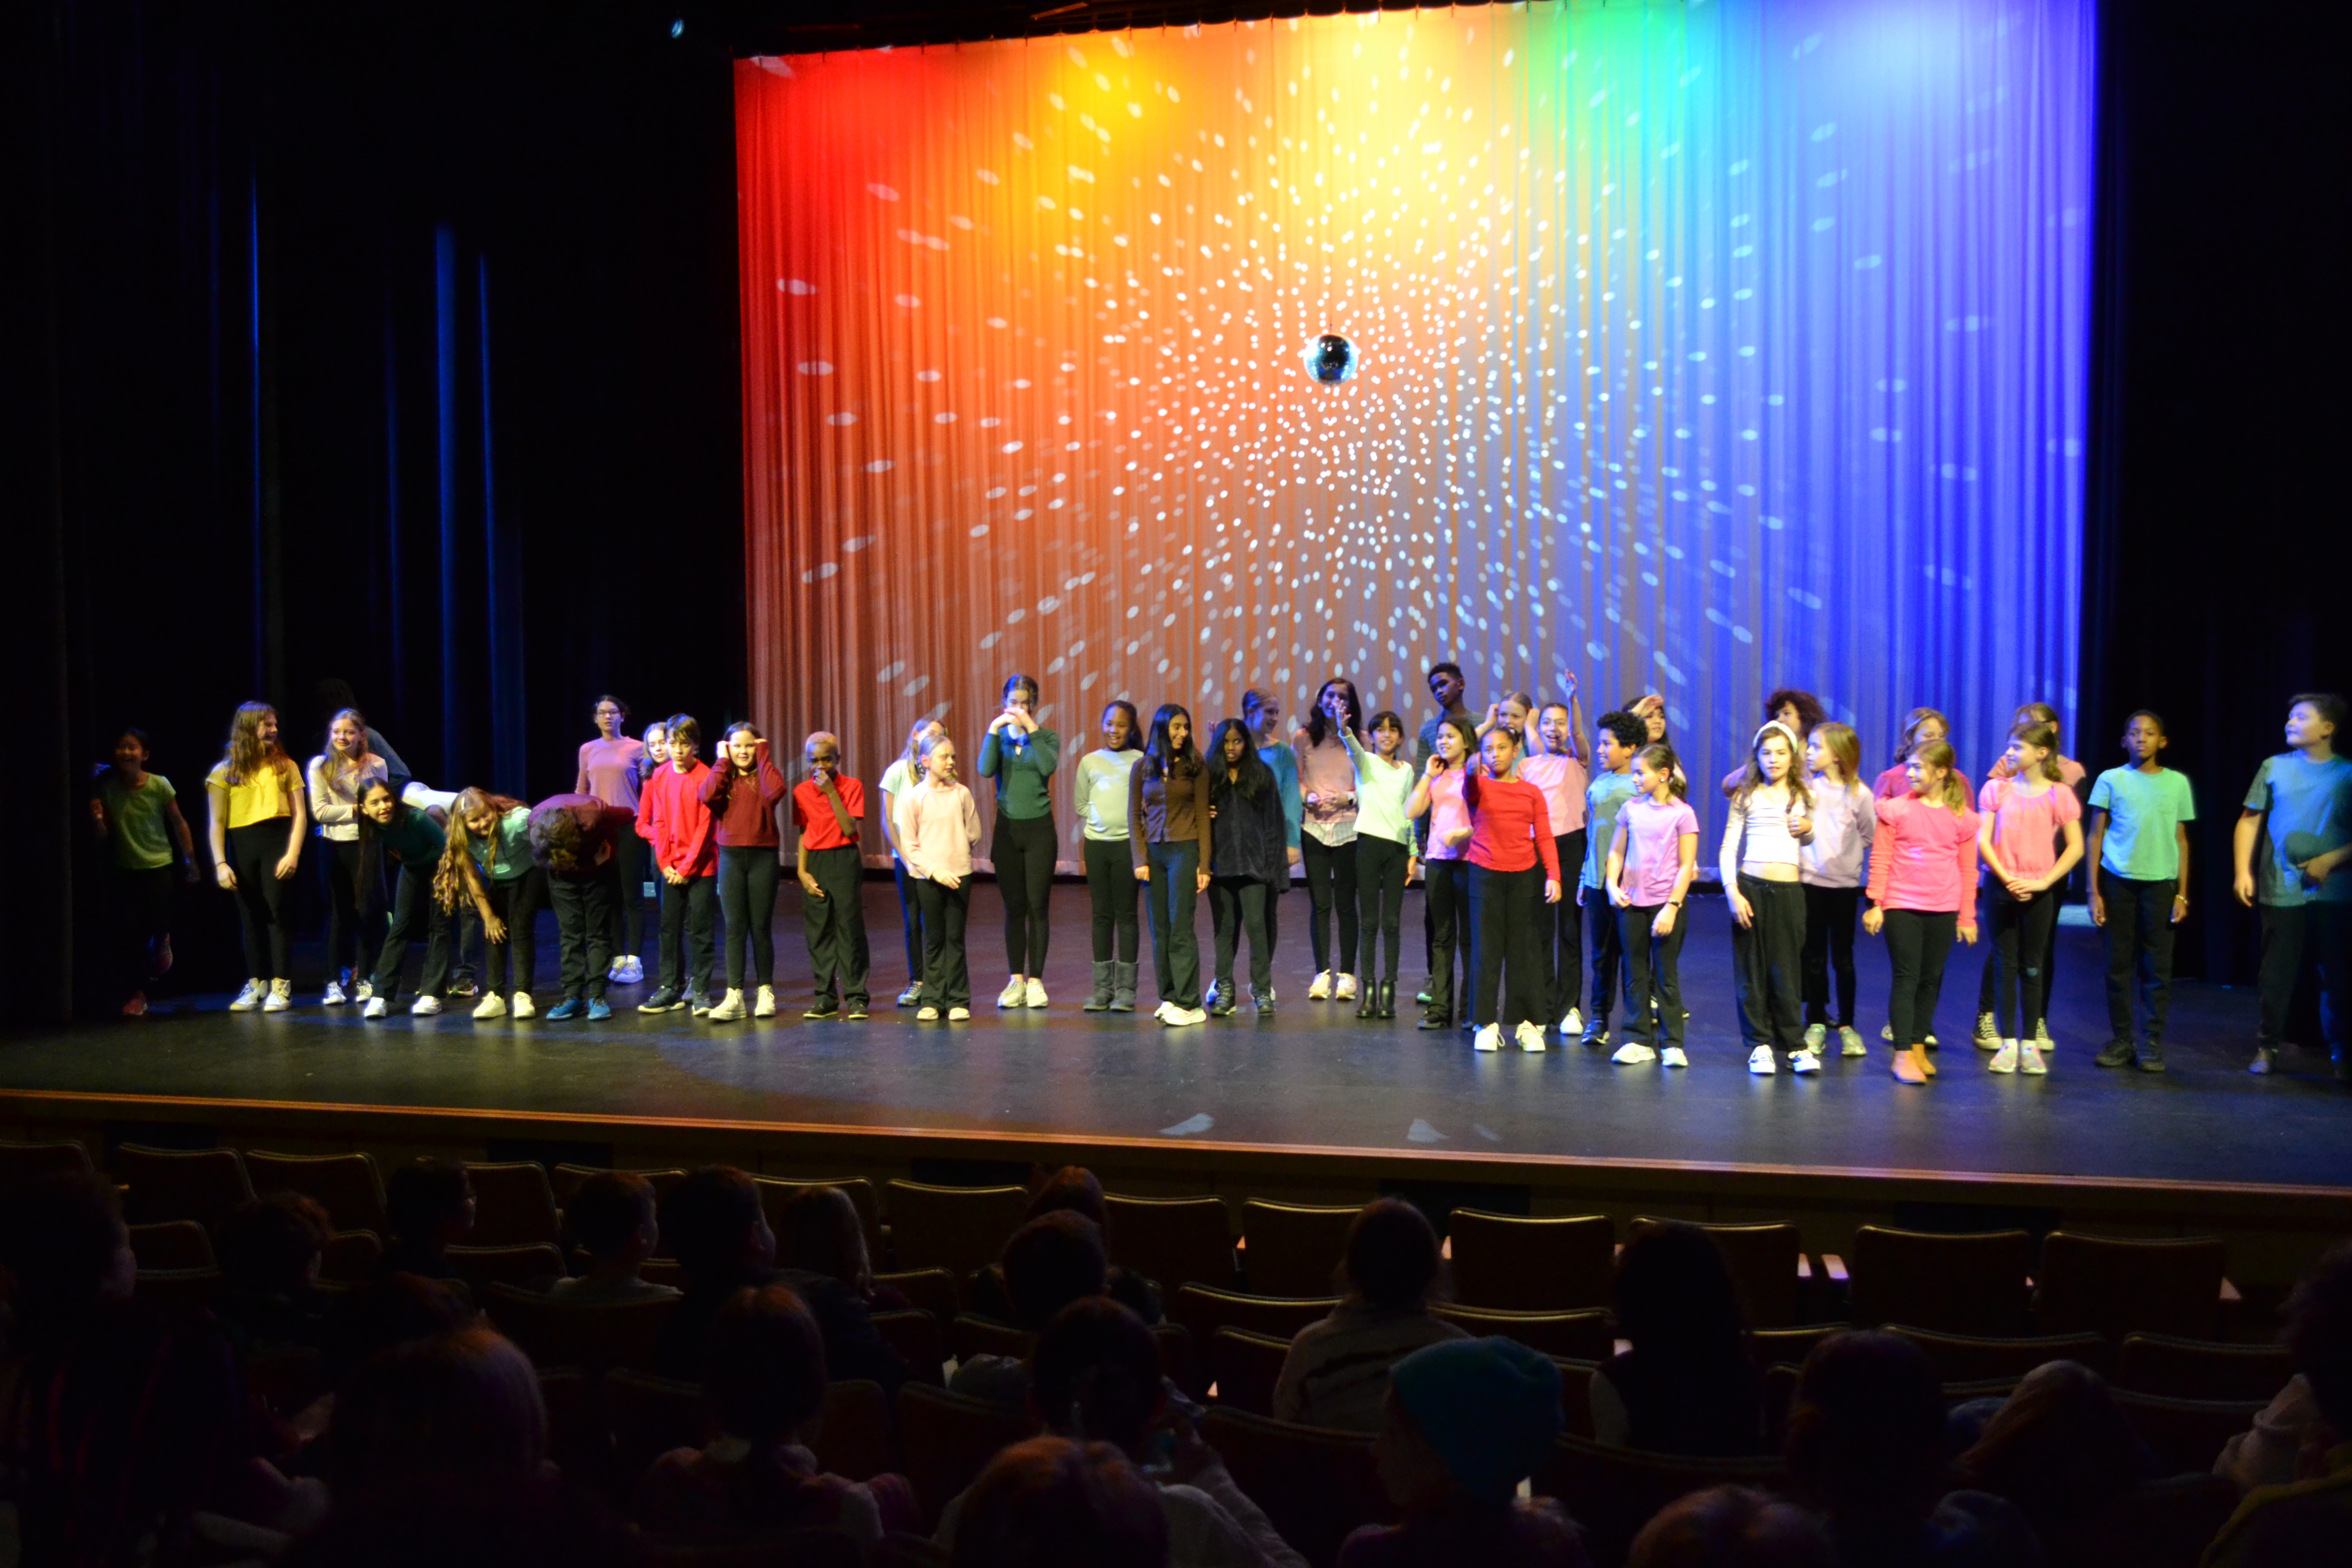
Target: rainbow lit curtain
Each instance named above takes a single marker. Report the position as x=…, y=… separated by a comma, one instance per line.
x=1702, y=349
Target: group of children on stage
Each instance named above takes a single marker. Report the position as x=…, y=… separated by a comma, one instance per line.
x=1523, y=835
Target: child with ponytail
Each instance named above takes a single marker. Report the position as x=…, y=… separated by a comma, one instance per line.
x=742, y=792
x=1923, y=864
x=1844, y=815
x=1653, y=856
x=2026, y=816
x=336, y=777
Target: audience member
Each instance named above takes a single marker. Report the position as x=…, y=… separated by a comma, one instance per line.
x=269, y=1251
x=819, y=1231
x=430, y=1207
x=1463, y=1425
x=765, y=1380
x=1338, y=1370
x=2061, y=1449
x=455, y=1523
x=1732, y=1527
x=391, y=1311
x=64, y=1250
x=1866, y=1446
x=613, y=1220
x=2309, y=1520
x=1080, y=1191
x=1051, y=1502
x=2264, y=1455
x=462, y=1407
x=1050, y=1262
x=1687, y=1385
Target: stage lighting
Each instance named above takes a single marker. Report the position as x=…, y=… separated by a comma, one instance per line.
x=1330, y=359
x=678, y=27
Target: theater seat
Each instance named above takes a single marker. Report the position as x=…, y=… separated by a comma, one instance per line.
x=595, y=1337
x=2201, y=1369
x=2185, y=1435
x=851, y=1436
x=1174, y=1241
x=960, y=1229
x=1512, y=1263
x=1203, y=1312
x=949, y=1439
x=1613, y=1492
x=514, y=1205
x=1293, y=1249
x=1971, y=1284
x=1315, y=1485
x=532, y=1268
x=2112, y=1286
x=1578, y=1336
x=163, y=1185
x=348, y=1187
x=172, y=1245
x=1246, y=1367
x=1967, y=1358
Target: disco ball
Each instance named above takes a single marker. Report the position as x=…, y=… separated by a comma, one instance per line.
x=1330, y=359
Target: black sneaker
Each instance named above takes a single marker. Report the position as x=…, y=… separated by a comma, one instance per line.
x=2266, y=1060
x=2151, y=1057
x=1265, y=1006
x=2118, y=1054
x=855, y=1012
x=1223, y=1006
x=823, y=1009
x=668, y=999
x=1434, y=1019
x=1594, y=1039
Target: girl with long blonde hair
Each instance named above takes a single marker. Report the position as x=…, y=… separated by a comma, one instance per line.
x=1761, y=858
x=1829, y=869
x=488, y=863
x=255, y=834
x=896, y=779
x=336, y=777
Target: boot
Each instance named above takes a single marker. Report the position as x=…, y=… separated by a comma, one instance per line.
x=1388, y=1000
x=1099, y=997
x=1122, y=987
x=1367, y=998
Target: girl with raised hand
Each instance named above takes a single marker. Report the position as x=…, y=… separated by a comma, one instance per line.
x=1922, y=872
x=413, y=837
x=1106, y=781
x=1021, y=756
x=1384, y=857
x=939, y=828
x=1168, y=847
x=254, y=831
x=336, y=777
x=2030, y=837
x=1327, y=781
x=1513, y=859
x=488, y=863
x=1761, y=864
x=678, y=826
x=1653, y=856
x=742, y=792
x=1921, y=726
x=1554, y=764
x=611, y=769
x=1438, y=799
x=137, y=815
x=1829, y=869
x=900, y=776
x=1247, y=864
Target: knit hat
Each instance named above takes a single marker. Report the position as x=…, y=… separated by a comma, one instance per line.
x=1490, y=1407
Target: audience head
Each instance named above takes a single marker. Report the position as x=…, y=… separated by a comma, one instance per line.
x=765, y=1375
x=1865, y=1434
x=1391, y=1254
x=613, y=1218
x=465, y=1406
x=64, y=1250
x=715, y=1226
x=1077, y=1189
x=1732, y=1527
x=1096, y=1373
x=456, y=1522
x=394, y=1309
x=272, y=1245
x=1674, y=1295
x=2319, y=1332
x=1054, y=1503
x=1468, y=1419
x=820, y=1232
x=1052, y=1261
x=2059, y=1447
x=429, y=1203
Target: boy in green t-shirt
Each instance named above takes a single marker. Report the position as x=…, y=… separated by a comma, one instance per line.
x=2138, y=849
x=137, y=815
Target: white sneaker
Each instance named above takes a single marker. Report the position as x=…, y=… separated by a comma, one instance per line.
x=1319, y=988
x=1807, y=1060
x=1488, y=1038
x=1014, y=995
x=1762, y=1062
x=1209, y=998
x=374, y=1008
x=958, y=1014
x=1033, y=993
x=927, y=1014
x=522, y=1007
x=2004, y=1059
x=2028, y=1059
x=1885, y=1031
x=280, y=997
x=730, y=1007
x=1814, y=1034
x=332, y=997
x=250, y=997
x=492, y=1005
x=1531, y=1037
x=764, y=1004
x=1573, y=1025
x=1633, y=1054
x=363, y=990
x=912, y=995
x=425, y=1007
x=1849, y=1042
x=1184, y=1016
x=2042, y=1039
x=1672, y=1056
x=633, y=972
x=1346, y=990
x=612, y=970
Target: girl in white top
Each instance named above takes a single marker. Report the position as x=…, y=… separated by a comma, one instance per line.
x=1828, y=868
x=938, y=829
x=896, y=779
x=336, y=777
x=1384, y=857
x=1762, y=843
x=1104, y=775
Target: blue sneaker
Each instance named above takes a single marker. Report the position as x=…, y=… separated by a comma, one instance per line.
x=599, y=1009
x=569, y=1008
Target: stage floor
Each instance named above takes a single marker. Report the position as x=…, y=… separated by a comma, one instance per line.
x=1310, y=1079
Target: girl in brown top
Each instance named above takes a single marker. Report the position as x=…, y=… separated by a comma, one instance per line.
x=1167, y=836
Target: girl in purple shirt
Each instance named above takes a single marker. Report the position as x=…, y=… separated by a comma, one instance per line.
x=1652, y=858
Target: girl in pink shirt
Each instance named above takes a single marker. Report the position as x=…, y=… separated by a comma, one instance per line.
x=1445, y=871
x=1554, y=765
x=2025, y=818
x=2071, y=773
x=610, y=770
x=1923, y=864
x=939, y=828
x=1652, y=858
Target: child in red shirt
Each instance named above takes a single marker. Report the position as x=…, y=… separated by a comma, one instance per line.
x=1510, y=833
x=829, y=810
x=679, y=833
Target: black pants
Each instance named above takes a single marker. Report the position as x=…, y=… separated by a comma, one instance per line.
x=1111, y=887
x=946, y=978
x=2140, y=935
x=139, y=910
x=1503, y=938
x=413, y=904
x=1917, y=945
x=1330, y=883
x=625, y=931
x=584, y=925
x=1653, y=972
x=747, y=877
x=1236, y=904
x=1828, y=945
x=1986, y=999
x=1172, y=895
x=2320, y=934
x=1559, y=931
x=1607, y=958
x=512, y=965
x=253, y=854
x=1023, y=852
x=1448, y=893
x=1765, y=964
x=2020, y=938
x=688, y=951
x=910, y=919
x=835, y=924
x=350, y=921
x=1381, y=865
